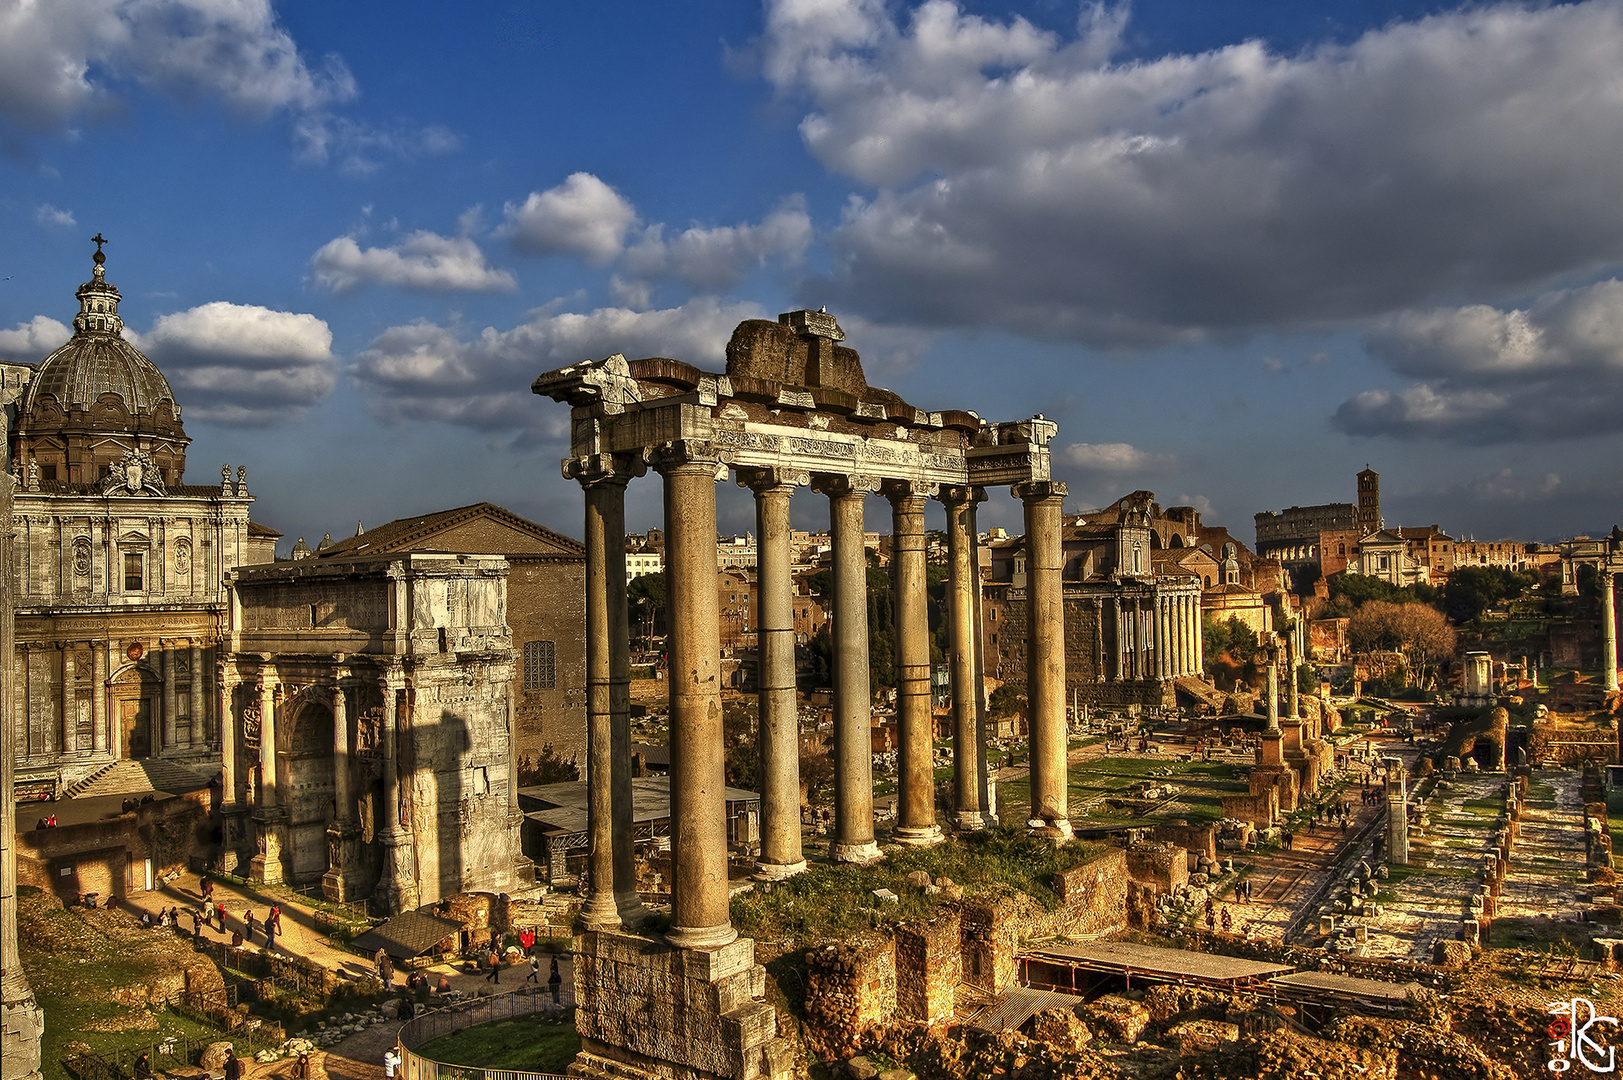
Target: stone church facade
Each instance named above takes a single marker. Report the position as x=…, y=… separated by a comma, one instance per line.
x=118, y=563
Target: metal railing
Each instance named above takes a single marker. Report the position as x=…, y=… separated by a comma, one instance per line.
x=431, y=1025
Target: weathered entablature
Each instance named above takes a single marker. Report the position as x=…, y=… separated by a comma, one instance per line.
x=792, y=409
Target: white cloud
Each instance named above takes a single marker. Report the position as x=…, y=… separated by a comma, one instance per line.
x=424, y=261
x=241, y=364
x=718, y=257
x=359, y=148
x=1115, y=458
x=46, y=214
x=1553, y=370
x=1027, y=181
x=34, y=340
x=59, y=58
x=582, y=216
x=424, y=371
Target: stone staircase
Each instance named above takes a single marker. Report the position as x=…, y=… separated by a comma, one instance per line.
x=73, y=790
x=127, y=777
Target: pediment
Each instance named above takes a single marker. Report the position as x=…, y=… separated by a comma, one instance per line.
x=134, y=539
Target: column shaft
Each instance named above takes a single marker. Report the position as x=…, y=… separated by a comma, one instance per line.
x=1608, y=613
x=915, y=725
x=225, y=687
x=699, y=914
x=70, y=701
x=98, y=698
x=605, y=515
x=1273, y=692
x=1118, y=673
x=1045, y=653
x=197, y=696
x=343, y=804
x=779, y=734
x=1290, y=674
x=267, y=741
x=166, y=668
x=966, y=743
x=853, y=707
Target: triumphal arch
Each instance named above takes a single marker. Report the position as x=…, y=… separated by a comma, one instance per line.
x=792, y=409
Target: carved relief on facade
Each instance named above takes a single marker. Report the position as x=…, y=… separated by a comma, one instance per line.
x=183, y=557
x=81, y=557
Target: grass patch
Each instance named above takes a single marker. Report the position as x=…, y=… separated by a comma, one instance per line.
x=523, y=1044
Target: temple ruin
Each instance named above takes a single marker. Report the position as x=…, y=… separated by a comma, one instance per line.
x=792, y=409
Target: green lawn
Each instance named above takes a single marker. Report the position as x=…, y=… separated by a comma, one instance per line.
x=523, y=1044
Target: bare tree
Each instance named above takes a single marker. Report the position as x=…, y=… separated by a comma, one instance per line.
x=1418, y=631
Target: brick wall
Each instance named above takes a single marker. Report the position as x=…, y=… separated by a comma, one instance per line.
x=850, y=987
x=929, y=964
x=1153, y=862
x=1199, y=840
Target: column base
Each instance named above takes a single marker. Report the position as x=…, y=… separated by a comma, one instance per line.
x=397, y=889
x=969, y=821
x=702, y=937
x=600, y=912
x=861, y=853
x=20, y=1035
x=270, y=823
x=343, y=843
x=1058, y=830
x=765, y=871
x=917, y=835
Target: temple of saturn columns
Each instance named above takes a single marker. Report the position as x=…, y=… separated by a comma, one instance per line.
x=792, y=409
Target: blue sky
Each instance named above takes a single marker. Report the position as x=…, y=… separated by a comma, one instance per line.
x=1237, y=250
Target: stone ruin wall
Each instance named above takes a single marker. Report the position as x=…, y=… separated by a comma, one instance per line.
x=1083, y=679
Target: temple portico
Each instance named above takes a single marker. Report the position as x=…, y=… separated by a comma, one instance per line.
x=793, y=409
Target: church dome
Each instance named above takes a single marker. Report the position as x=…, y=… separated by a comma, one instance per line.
x=97, y=360
x=97, y=399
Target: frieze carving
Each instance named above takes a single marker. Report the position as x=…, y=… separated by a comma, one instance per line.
x=820, y=447
x=183, y=556
x=81, y=557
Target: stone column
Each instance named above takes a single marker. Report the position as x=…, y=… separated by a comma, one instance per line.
x=166, y=669
x=1608, y=621
x=70, y=701
x=199, y=695
x=225, y=686
x=1272, y=731
x=915, y=820
x=699, y=916
x=21, y=1022
x=1397, y=814
x=1163, y=637
x=853, y=707
x=1199, y=659
x=611, y=896
x=988, y=795
x=1180, y=635
x=779, y=731
x=343, y=833
x=267, y=741
x=1045, y=653
x=1290, y=675
x=397, y=888
x=99, y=726
x=961, y=598
x=1119, y=671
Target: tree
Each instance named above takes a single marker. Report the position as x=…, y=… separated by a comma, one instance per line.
x=655, y=590
x=1418, y=631
x=881, y=603
x=1007, y=700
x=1471, y=590
x=546, y=768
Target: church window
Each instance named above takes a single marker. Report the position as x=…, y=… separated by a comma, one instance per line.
x=539, y=671
x=134, y=579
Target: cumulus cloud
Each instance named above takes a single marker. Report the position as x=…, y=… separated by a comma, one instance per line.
x=1115, y=458
x=717, y=257
x=62, y=58
x=34, y=340
x=425, y=371
x=46, y=214
x=1551, y=371
x=582, y=216
x=242, y=364
x=423, y=261
x=1030, y=181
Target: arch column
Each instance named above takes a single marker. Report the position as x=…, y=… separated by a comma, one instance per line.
x=961, y=604
x=397, y=889
x=699, y=916
x=166, y=671
x=1119, y=671
x=1608, y=606
x=781, y=852
x=99, y=725
x=343, y=834
x=611, y=895
x=915, y=823
x=199, y=695
x=1045, y=653
x=270, y=819
x=853, y=705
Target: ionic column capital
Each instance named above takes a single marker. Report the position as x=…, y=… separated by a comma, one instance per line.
x=1039, y=490
x=915, y=492
x=772, y=480
x=687, y=455
x=836, y=485
x=960, y=494
x=594, y=469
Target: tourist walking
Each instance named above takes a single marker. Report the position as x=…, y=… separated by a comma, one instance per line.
x=1228, y=920
x=385, y=967
x=494, y=975
x=270, y=935
x=208, y=888
x=248, y=927
x=233, y=1065
x=555, y=981
x=535, y=971
x=391, y=1062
